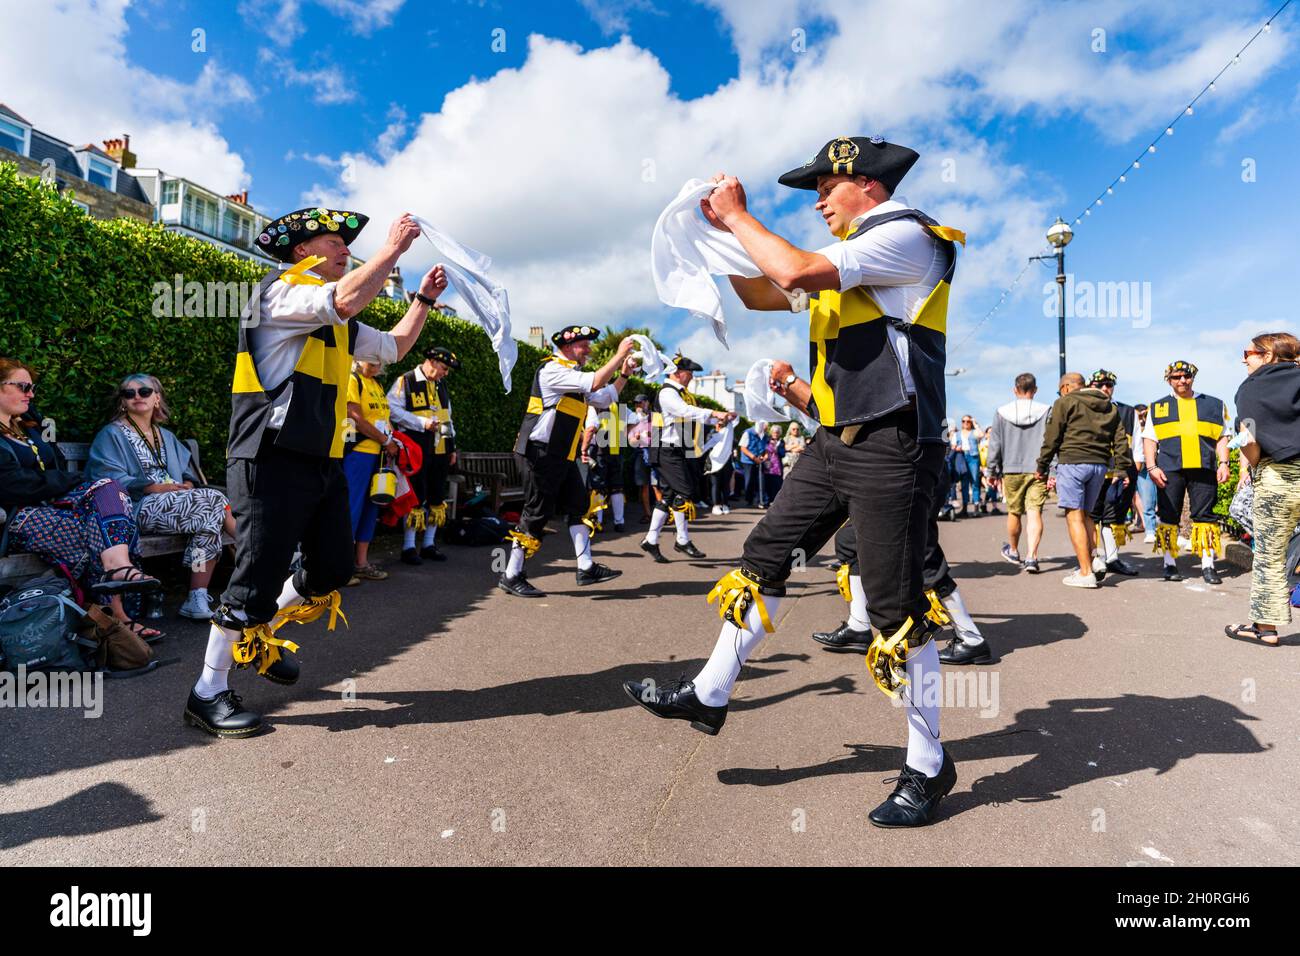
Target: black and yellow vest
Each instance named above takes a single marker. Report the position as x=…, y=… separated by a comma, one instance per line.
x=855, y=372
x=314, y=398
x=1187, y=430
x=570, y=416
x=426, y=399
x=691, y=432
x=608, y=439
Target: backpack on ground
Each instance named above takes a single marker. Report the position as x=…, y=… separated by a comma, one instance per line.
x=38, y=627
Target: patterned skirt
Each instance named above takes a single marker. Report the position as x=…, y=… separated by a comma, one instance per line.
x=77, y=528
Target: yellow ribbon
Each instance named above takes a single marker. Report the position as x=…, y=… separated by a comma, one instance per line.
x=310, y=610
x=734, y=594
x=1206, y=539
x=525, y=541
x=842, y=582
x=688, y=509
x=1120, y=531
x=437, y=514
x=887, y=660
x=259, y=643
x=297, y=273
x=415, y=519
x=595, y=507
x=1167, y=539
x=937, y=613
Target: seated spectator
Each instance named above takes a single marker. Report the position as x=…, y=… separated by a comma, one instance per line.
x=87, y=527
x=153, y=466
x=1268, y=409
x=368, y=411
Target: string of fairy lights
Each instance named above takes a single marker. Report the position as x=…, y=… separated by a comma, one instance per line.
x=1131, y=168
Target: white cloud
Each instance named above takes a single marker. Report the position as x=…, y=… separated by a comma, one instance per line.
x=65, y=69
x=328, y=84
x=285, y=20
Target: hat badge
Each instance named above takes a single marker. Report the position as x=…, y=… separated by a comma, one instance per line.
x=842, y=152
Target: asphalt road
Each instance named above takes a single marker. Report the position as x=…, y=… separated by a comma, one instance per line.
x=456, y=724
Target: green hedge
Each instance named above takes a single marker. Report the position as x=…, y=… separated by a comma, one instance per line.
x=77, y=298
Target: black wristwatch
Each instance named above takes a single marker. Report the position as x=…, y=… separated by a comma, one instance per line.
x=426, y=300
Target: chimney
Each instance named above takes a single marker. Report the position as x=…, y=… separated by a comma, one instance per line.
x=120, y=150
x=241, y=198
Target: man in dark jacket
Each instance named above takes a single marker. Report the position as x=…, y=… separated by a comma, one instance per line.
x=1084, y=433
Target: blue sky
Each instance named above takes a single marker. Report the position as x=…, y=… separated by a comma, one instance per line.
x=538, y=153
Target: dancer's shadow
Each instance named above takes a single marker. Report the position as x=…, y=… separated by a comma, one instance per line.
x=1068, y=742
x=97, y=809
x=1007, y=634
x=547, y=696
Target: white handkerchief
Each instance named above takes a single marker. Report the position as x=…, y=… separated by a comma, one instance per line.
x=653, y=362
x=759, y=395
x=686, y=252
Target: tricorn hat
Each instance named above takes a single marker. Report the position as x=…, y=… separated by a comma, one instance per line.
x=446, y=356
x=575, y=333
x=281, y=235
x=872, y=157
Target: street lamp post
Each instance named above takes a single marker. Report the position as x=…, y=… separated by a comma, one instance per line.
x=1059, y=236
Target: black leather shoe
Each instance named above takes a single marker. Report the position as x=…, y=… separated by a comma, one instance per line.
x=1171, y=573
x=958, y=652
x=654, y=552
x=222, y=716
x=285, y=670
x=432, y=553
x=915, y=800
x=1211, y=576
x=1120, y=566
x=688, y=549
x=519, y=586
x=677, y=701
x=618, y=526
x=412, y=557
x=844, y=638
x=597, y=574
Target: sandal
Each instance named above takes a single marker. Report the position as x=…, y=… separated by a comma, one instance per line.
x=143, y=631
x=131, y=580
x=1252, y=634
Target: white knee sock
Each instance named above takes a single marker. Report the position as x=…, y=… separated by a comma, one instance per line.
x=1108, y=539
x=430, y=532
x=1169, y=560
x=408, y=538
x=516, y=565
x=714, y=683
x=1207, y=560
x=657, y=521
x=581, y=545
x=858, y=619
x=617, y=500
x=924, y=751
x=289, y=596
x=961, y=619
x=217, y=662
x=683, y=532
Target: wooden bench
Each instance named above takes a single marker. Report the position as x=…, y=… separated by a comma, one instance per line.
x=497, y=473
x=17, y=567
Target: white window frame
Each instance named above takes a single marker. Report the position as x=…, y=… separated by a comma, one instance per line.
x=26, y=134
x=162, y=192
x=111, y=166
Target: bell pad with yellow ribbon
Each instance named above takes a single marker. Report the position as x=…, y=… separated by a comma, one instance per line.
x=526, y=541
x=259, y=644
x=842, y=575
x=735, y=594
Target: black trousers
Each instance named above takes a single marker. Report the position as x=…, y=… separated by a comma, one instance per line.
x=606, y=473
x=281, y=500
x=430, y=482
x=935, y=572
x=552, y=485
x=677, y=477
x=1198, y=485
x=1116, y=500
x=884, y=484
x=720, y=485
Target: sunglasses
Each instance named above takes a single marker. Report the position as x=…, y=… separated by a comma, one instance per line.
x=25, y=387
x=144, y=391
x=1179, y=376
x=1249, y=352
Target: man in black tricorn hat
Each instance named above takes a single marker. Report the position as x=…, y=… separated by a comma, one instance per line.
x=421, y=407
x=297, y=339
x=879, y=301
x=676, y=447
x=547, y=451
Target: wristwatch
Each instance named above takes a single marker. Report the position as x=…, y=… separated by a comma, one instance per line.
x=425, y=299
x=791, y=379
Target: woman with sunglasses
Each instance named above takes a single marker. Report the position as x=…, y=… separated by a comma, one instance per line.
x=1268, y=412
x=85, y=526
x=966, y=442
x=151, y=463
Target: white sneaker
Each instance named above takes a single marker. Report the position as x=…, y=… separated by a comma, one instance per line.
x=1077, y=580
x=1149, y=539
x=717, y=510
x=197, y=607
x=726, y=509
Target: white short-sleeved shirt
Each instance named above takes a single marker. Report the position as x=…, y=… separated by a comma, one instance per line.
x=898, y=263
x=675, y=410
x=555, y=380
x=288, y=314
x=1149, y=429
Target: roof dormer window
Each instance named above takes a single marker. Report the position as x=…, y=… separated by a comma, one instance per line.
x=15, y=136
x=101, y=172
